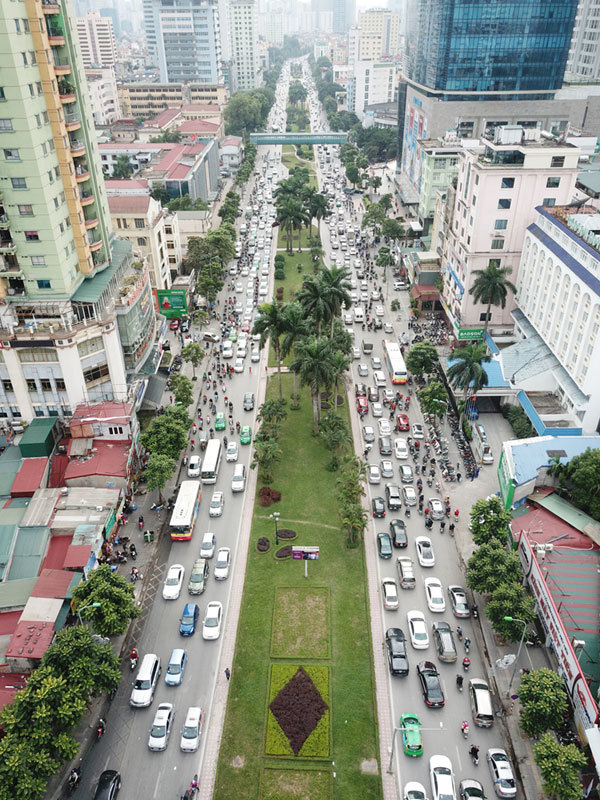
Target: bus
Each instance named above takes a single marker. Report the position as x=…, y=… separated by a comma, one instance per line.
x=181, y=525
x=394, y=361
x=212, y=459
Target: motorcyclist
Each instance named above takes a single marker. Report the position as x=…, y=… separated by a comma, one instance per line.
x=459, y=681
x=474, y=752
x=74, y=777
x=134, y=654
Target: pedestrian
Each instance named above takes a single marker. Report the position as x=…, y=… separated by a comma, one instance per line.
x=250, y=370
x=477, y=472
x=227, y=673
x=170, y=398
x=459, y=477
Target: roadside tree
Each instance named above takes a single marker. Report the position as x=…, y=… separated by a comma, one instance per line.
x=422, y=358
x=114, y=594
x=543, y=700
x=159, y=470
x=510, y=600
x=559, y=766
x=489, y=521
x=193, y=353
x=491, y=566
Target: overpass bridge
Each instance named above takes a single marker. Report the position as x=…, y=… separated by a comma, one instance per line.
x=299, y=138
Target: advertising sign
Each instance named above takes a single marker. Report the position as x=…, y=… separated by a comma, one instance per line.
x=171, y=303
x=469, y=333
x=305, y=553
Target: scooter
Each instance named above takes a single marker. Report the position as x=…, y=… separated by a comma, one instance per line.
x=133, y=551
x=133, y=662
x=474, y=611
x=459, y=682
x=464, y=726
x=474, y=753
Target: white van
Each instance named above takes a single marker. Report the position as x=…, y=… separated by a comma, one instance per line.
x=193, y=469
x=481, y=703
x=359, y=314
x=142, y=693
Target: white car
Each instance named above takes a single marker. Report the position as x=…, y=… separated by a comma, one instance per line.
x=255, y=355
x=377, y=409
x=211, y=626
x=400, y=448
x=390, y=594
x=410, y=496
x=417, y=629
x=442, y=778
x=417, y=431
x=387, y=468
x=221, y=568
x=501, y=771
x=413, y=790
x=348, y=319
x=239, y=287
x=436, y=509
x=232, y=452
x=379, y=311
x=217, y=502
x=355, y=352
x=193, y=469
x=227, y=351
x=368, y=433
x=192, y=730
x=161, y=727
x=435, y=595
x=385, y=429
x=173, y=581
x=363, y=371
x=388, y=327
x=376, y=362
x=239, y=365
x=373, y=474
x=425, y=552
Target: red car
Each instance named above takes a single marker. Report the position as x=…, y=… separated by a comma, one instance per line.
x=174, y=324
x=246, y=327
x=402, y=423
x=362, y=406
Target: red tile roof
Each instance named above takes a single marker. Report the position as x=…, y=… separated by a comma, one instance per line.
x=134, y=203
x=190, y=108
x=52, y=583
x=231, y=141
x=30, y=639
x=57, y=552
x=198, y=126
x=117, y=413
x=109, y=458
x=163, y=118
x=10, y=684
x=29, y=477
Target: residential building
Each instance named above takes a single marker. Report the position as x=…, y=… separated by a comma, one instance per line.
x=243, y=32
x=152, y=233
x=558, y=314
x=104, y=100
x=273, y=27
x=96, y=40
x=439, y=159
x=384, y=26
x=187, y=38
x=147, y=100
x=69, y=333
x=499, y=183
x=372, y=83
x=231, y=151
x=583, y=64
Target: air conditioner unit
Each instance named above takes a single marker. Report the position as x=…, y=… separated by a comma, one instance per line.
x=59, y=341
x=549, y=548
x=5, y=345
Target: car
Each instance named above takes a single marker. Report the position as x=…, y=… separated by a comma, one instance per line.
x=239, y=365
x=470, y=789
x=378, y=506
x=193, y=469
x=348, y=319
x=501, y=772
x=392, y=495
x=386, y=468
x=362, y=406
x=385, y=446
x=248, y=402
x=222, y=564
x=406, y=473
x=360, y=390
x=207, y=547
x=409, y=495
x=198, y=576
x=402, y=423
x=390, y=594
x=376, y=362
x=373, y=394
x=161, y=727
x=233, y=333
x=384, y=545
x=239, y=287
x=373, y=474
x=398, y=533
x=227, y=351
x=395, y=642
x=363, y=370
x=400, y=449
x=435, y=595
x=368, y=434
x=174, y=324
x=417, y=628
x=245, y=435
x=192, y=730
x=417, y=431
x=232, y=452
x=413, y=790
x=443, y=641
x=425, y=552
x=379, y=311
x=459, y=602
x=442, y=778
x=377, y=409
x=412, y=741
x=356, y=353
x=388, y=327
x=220, y=422
x=211, y=626
x=385, y=429
x=431, y=687
x=173, y=581
x=217, y=503
x=176, y=667
x=254, y=353
x=108, y=785
x=436, y=509
x=189, y=618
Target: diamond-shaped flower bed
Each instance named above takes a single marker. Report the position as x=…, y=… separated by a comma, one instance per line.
x=298, y=716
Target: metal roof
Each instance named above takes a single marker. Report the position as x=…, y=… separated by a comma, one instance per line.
x=28, y=552
x=57, y=583
x=40, y=508
x=530, y=455
x=15, y=594
x=91, y=289
x=10, y=463
x=573, y=516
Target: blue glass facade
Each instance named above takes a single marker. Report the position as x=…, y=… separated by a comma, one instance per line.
x=479, y=46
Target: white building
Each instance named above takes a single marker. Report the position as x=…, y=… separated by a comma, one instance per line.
x=372, y=83
x=382, y=27
x=243, y=32
x=104, y=98
x=558, y=294
x=96, y=40
x=583, y=64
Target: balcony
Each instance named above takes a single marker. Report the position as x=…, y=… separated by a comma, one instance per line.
x=91, y=223
x=7, y=245
x=86, y=198
x=95, y=245
x=61, y=67
x=4, y=223
x=72, y=122
x=77, y=147
x=56, y=37
x=82, y=173
x=9, y=266
x=50, y=8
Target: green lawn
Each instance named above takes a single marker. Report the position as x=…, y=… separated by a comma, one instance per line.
x=308, y=505
x=304, y=237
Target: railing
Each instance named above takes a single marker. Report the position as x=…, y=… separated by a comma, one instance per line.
x=71, y=118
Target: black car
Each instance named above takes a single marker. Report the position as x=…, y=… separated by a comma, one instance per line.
x=398, y=533
x=378, y=506
x=109, y=784
x=392, y=495
x=185, y=325
x=385, y=446
x=373, y=394
x=248, y=401
x=395, y=641
x=430, y=684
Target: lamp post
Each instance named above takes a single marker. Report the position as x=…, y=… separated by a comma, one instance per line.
x=275, y=516
x=396, y=730
x=83, y=608
x=512, y=677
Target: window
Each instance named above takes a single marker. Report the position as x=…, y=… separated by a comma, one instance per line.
x=485, y=317
x=38, y=411
x=44, y=284
x=60, y=385
x=141, y=241
x=31, y=385
x=46, y=385
x=18, y=183
x=557, y=161
x=549, y=201
x=552, y=183
x=32, y=236
x=497, y=244
x=8, y=387
x=2, y=95
x=24, y=57
x=500, y=224
x=18, y=25
x=31, y=89
x=140, y=223
x=5, y=125
x=25, y=210
x=507, y=183
x=15, y=411
x=38, y=261
x=504, y=203
x=11, y=154
x=96, y=373
x=30, y=354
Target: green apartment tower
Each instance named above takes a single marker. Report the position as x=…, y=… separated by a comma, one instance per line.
x=77, y=321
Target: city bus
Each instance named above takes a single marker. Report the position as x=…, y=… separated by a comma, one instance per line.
x=181, y=525
x=394, y=362
x=212, y=459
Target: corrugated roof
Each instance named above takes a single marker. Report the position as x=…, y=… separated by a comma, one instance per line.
x=55, y=583
x=163, y=118
x=38, y=429
x=134, y=203
x=131, y=183
x=7, y=540
x=31, y=639
x=10, y=684
x=573, y=516
x=531, y=455
x=28, y=552
x=493, y=371
x=10, y=463
x=57, y=551
x=14, y=594
x=117, y=413
x=77, y=556
x=107, y=458
x=29, y=478
x=91, y=289
x=40, y=508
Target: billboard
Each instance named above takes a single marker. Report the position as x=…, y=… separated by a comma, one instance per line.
x=171, y=303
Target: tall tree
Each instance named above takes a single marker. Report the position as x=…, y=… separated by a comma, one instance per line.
x=339, y=365
x=313, y=363
x=466, y=371
x=336, y=291
x=559, y=767
x=122, y=168
x=314, y=300
x=491, y=286
x=544, y=701
x=159, y=470
x=296, y=328
x=193, y=353
x=114, y=594
x=270, y=324
x=422, y=358
x=579, y=480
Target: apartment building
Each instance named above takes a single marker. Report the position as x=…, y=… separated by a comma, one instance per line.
x=382, y=28
x=147, y=100
x=439, y=159
x=583, y=63
x=371, y=83
x=96, y=40
x=102, y=87
x=243, y=32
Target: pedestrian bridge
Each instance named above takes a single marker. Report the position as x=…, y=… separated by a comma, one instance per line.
x=299, y=138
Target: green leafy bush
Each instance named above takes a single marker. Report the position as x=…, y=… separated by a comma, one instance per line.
x=279, y=275
x=519, y=421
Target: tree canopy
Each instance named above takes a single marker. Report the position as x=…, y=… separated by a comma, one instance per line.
x=114, y=594
x=489, y=521
x=579, y=481
x=559, y=766
x=543, y=700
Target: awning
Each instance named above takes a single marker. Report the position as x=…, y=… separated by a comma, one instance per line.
x=593, y=737
x=415, y=225
x=424, y=292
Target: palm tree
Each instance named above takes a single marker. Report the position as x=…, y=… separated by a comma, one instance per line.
x=319, y=209
x=291, y=215
x=491, y=286
x=339, y=365
x=312, y=297
x=466, y=371
x=336, y=287
x=296, y=329
x=271, y=324
x=313, y=363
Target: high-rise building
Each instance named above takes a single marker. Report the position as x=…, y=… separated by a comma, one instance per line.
x=371, y=83
x=104, y=99
x=185, y=38
x=583, y=64
x=344, y=15
x=96, y=40
x=243, y=31
x=383, y=27
x=76, y=319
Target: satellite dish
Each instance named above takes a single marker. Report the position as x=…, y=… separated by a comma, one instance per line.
x=505, y=661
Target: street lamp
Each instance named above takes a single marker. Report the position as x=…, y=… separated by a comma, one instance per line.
x=83, y=608
x=275, y=516
x=512, y=677
x=395, y=730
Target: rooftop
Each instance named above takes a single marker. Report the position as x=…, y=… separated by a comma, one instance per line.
x=117, y=413
x=198, y=126
x=29, y=477
x=107, y=458
x=531, y=455
x=163, y=119
x=231, y=141
x=129, y=204
x=131, y=183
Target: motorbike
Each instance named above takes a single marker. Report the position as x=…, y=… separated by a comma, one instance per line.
x=533, y=640
x=459, y=682
x=133, y=662
x=100, y=729
x=474, y=611
x=73, y=780
x=467, y=644
x=466, y=662
x=133, y=551
x=464, y=726
x=474, y=753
